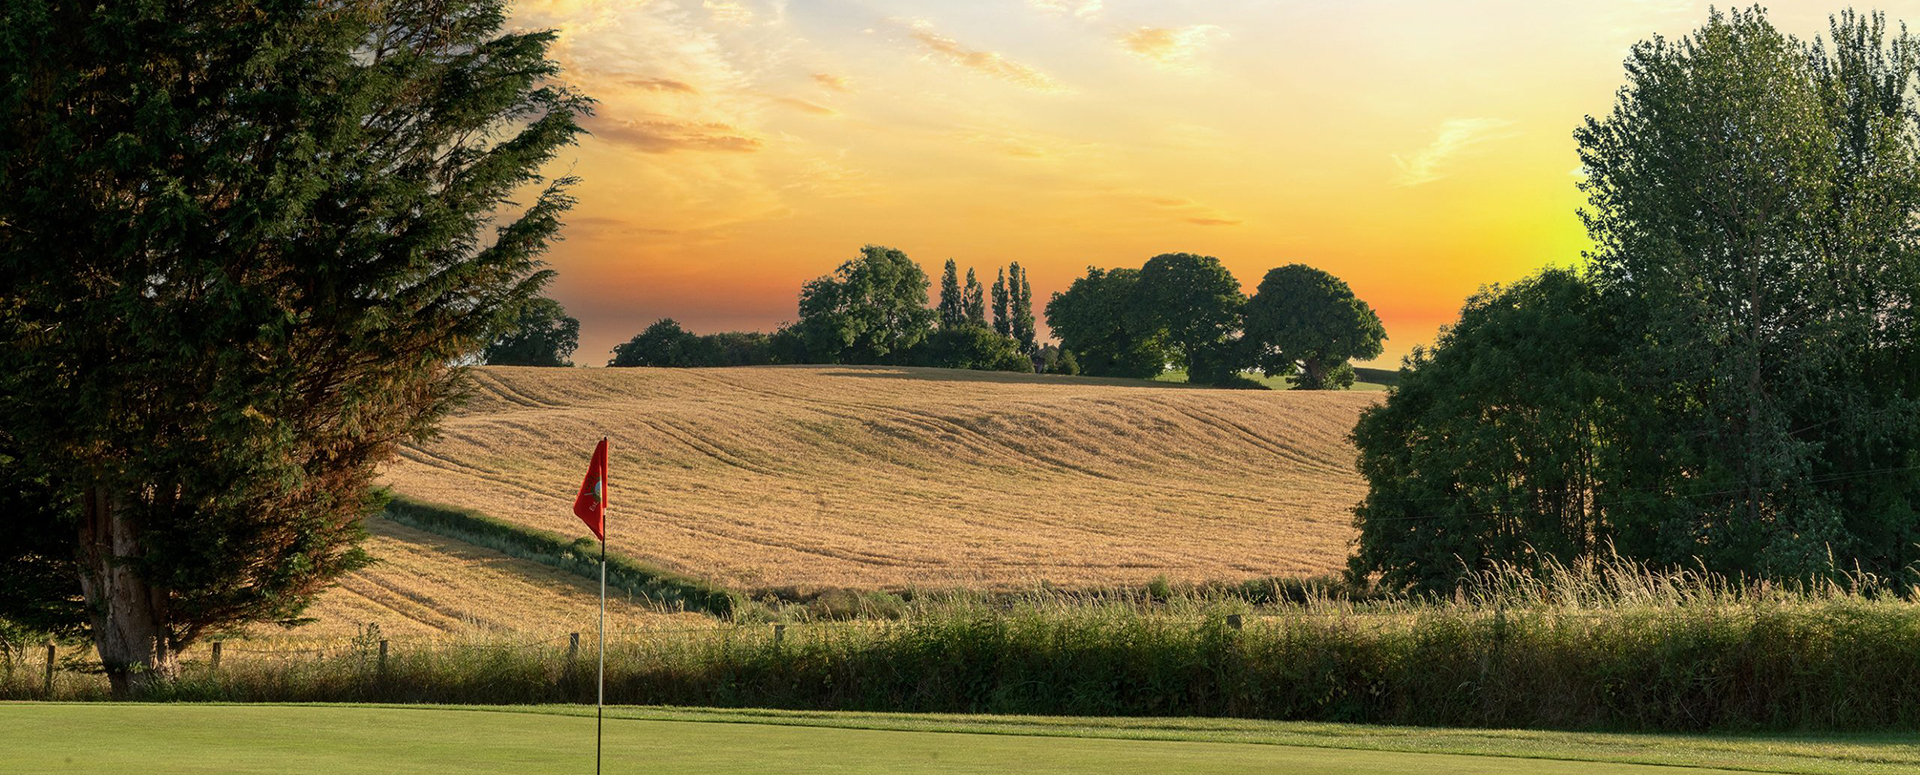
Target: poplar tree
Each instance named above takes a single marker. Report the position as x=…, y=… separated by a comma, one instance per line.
x=1002, y=323
x=1021, y=299
x=241, y=248
x=975, y=301
x=953, y=308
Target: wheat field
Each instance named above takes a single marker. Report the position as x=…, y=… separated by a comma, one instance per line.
x=897, y=478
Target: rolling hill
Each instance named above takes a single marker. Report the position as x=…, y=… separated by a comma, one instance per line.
x=878, y=477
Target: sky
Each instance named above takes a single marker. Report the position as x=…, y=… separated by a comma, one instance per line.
x=1418, y=150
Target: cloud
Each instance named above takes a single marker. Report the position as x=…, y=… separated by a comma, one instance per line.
x=660, y=84
x=832, y=82
x=1214, y=221
x=728, y=12
x=1456, y=136
x=668, y=136
x=987, y=62
x=1171, y=45
x=803, y=105
x=1079, y=9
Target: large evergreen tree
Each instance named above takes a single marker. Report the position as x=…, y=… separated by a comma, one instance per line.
x=240, y=246
x=543, y=335
x=1002, y=319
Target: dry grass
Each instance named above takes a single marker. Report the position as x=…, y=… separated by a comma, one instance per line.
x=426, y=587
x=869, y=477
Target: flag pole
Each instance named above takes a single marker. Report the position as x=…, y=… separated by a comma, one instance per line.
x=600, y=701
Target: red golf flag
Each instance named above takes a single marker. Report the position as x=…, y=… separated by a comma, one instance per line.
x=591, y=504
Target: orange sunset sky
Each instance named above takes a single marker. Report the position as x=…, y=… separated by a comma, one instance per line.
x=1416, y=149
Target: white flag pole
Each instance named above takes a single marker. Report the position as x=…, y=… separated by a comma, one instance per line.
x=600, y=701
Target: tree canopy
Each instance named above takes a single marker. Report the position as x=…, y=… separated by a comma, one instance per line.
x=1091, y=320
x=1194, y=303
x=543, y=335
x=872, y=309
x=1305, y=323
x=238, y=253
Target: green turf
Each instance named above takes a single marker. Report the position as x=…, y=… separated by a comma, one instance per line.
x=162, y=739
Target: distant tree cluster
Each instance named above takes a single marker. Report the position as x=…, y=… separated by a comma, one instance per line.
x=1734, y=380
x=666, y=344
x=541, y=335
x=1187, y=310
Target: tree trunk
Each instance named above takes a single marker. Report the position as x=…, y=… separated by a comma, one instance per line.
x=129, y=615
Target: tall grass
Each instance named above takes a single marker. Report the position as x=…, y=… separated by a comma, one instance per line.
x=1603, y=646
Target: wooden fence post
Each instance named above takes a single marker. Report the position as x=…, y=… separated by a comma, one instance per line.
x=50, y=657
x=216, y=656
x=1233, y=621
x=383, y=656
x=779, y=633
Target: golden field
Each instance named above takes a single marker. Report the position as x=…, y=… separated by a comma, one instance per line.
x=811, y=477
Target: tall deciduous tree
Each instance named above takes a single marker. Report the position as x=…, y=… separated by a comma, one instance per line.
x=1308, y=324
x=239, y=248
x=1090, y=319
x=1020, y=301
x=872, y=309
x=953, y=305
x=543, y=335
x=1002, y=320
x=1194, y=302
x=974, y=301
x=1753, y=200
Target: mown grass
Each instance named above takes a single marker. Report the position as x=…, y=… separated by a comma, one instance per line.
x=1596, y=648
x=394, y=740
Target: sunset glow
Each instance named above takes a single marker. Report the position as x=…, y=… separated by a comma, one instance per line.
x=1417, y=150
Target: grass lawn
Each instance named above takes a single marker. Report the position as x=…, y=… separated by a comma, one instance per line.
x=163, y=739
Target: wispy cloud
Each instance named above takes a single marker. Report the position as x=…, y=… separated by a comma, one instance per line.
x=659, y=84
x=805, y=106
x=668, y=136
x=1456, y=136
x=1081, y=9
x=832, y=82
x=1172, y=46
x=986, y=62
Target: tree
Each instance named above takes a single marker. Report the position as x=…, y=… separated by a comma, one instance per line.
x=1090, y=319
x=975, y=301
x=239, y=250
x=1002, y=319
x=1020, y=298
x=542, y=336
x=1501, y=443
x=873, y=309
x=975, y=347
x=1752, y=200
x=663, y=344
x=1305, y=323
x=1195, y=304
x=953, y=307
x=1055, y=359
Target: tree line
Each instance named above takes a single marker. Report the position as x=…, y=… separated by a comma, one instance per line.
x=1179, y=310
x=1732, y=382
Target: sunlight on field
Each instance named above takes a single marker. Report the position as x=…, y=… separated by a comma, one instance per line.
x=846, y=476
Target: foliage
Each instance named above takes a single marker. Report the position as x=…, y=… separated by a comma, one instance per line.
x=873, y=309
x=1055, y=359
x=1090, y=319
x=1740, y=385
x=1194, y=303
x=238, y=252
x=974, y=347
x=1020, y=302
x=973, y=300
x=542, y=336
x=1002, y=297
x=953, y=306
x=664, y=343
x=1500, y=443
x=1305, y=323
